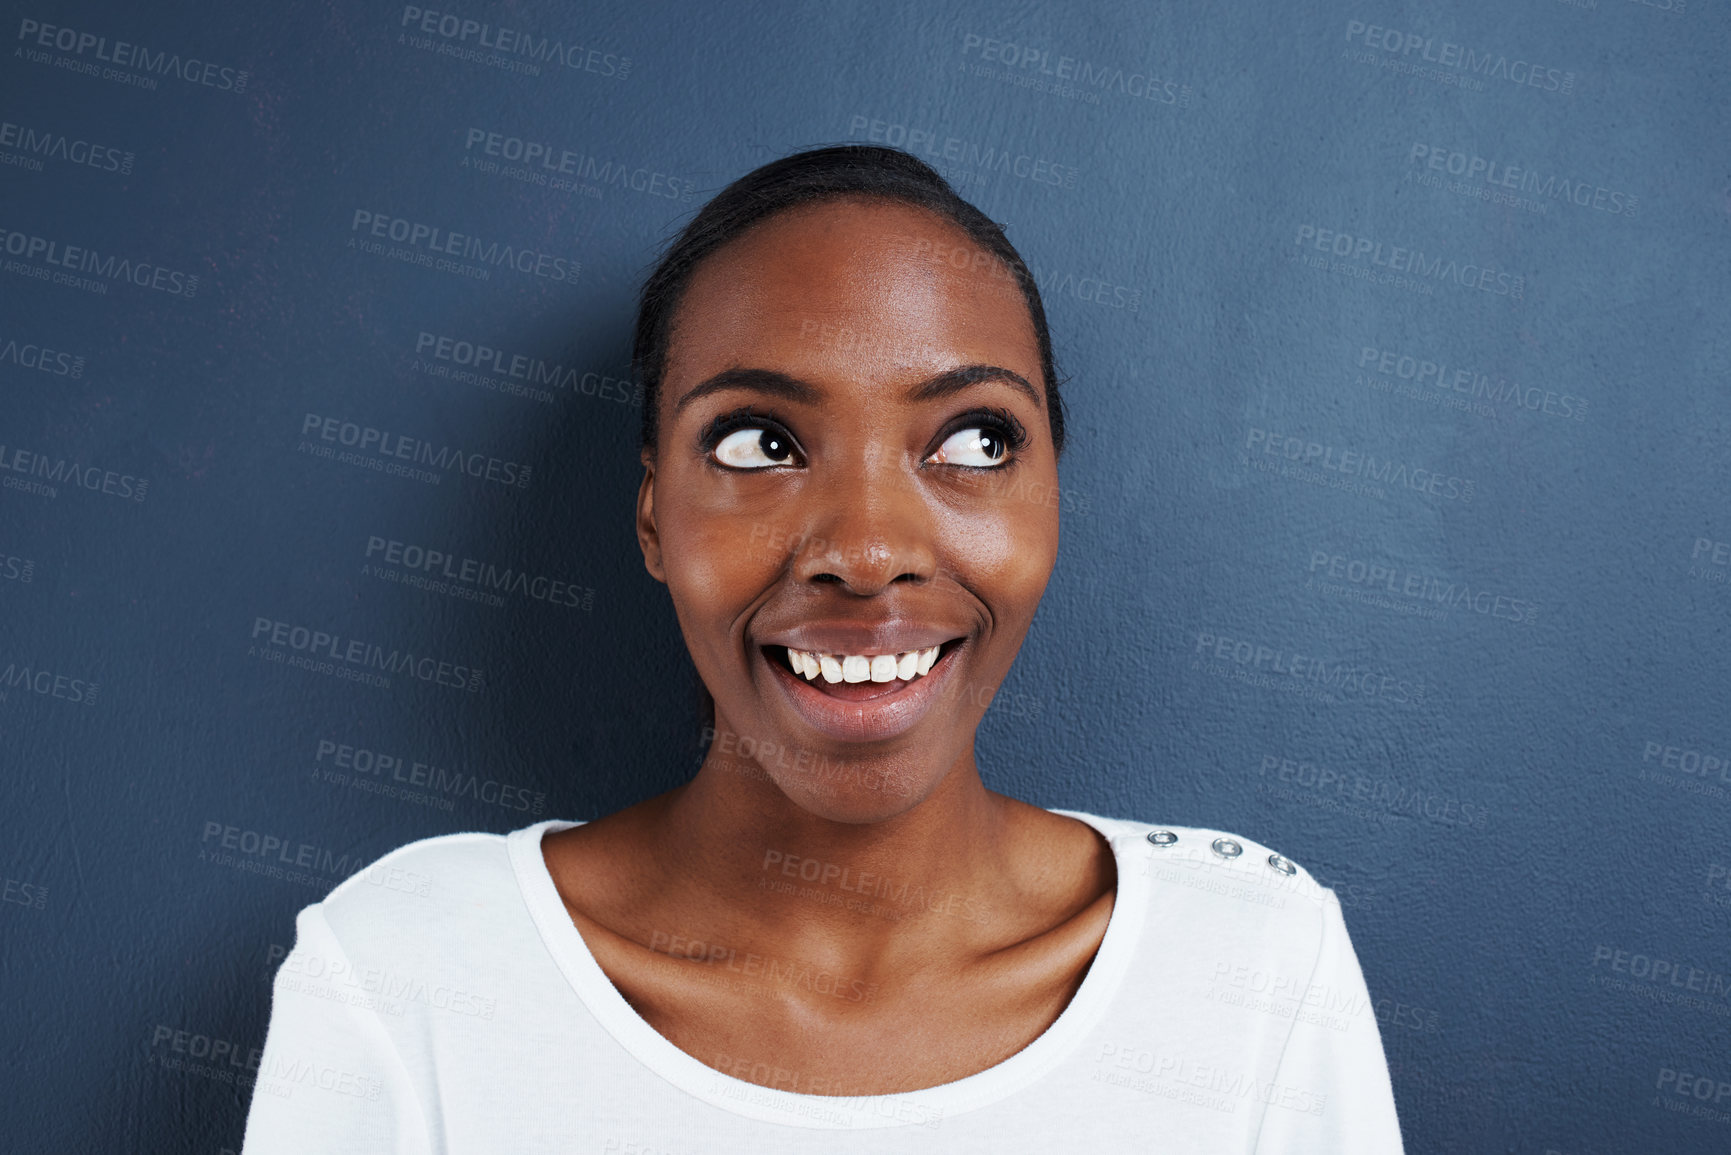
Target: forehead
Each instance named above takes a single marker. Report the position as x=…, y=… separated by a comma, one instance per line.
x=877, y=286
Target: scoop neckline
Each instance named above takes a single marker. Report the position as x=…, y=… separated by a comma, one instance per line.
x=927, y=1106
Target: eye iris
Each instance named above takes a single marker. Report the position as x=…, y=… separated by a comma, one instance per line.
x=774, y=446
x=991, y=444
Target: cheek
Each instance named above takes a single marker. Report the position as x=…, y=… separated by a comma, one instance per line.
x=716, y=555
x=1008, y=553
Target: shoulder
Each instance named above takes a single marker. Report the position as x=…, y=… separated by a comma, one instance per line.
x=419, y=892
x=1170, y=842
x=1228, y=881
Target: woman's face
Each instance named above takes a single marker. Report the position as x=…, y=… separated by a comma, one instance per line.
x=854, y=459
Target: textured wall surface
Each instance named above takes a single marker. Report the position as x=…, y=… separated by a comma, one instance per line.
x=1395, y=524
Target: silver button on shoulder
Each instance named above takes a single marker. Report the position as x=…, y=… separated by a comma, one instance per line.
x=1227, y=848
x=1284, y=865
x=1162, y=837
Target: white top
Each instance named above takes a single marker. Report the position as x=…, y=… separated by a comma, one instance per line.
x=443, y=1001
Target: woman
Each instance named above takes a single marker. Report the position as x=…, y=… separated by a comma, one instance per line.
x=834, y=937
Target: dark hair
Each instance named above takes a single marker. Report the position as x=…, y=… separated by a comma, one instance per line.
x=849, y=170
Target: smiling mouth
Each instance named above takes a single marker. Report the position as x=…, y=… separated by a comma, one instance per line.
x=859, y=677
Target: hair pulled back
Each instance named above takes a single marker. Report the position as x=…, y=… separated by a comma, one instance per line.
x=849, y=170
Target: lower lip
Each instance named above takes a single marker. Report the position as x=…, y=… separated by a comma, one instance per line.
x=871, y=719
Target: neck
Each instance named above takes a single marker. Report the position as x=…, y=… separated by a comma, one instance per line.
x=930, y=872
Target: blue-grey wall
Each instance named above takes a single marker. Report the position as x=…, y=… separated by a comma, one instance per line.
x=1395, y=525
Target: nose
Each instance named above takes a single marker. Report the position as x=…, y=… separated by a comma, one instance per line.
x=868, y=525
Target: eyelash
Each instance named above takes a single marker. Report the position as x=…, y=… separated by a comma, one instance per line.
x=744, y=417
x=999, y=421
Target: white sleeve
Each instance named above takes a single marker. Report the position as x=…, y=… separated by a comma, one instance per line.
x=1331, y=1095
x=329, y=1078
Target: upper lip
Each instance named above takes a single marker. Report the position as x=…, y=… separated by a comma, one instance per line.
x=885, y=637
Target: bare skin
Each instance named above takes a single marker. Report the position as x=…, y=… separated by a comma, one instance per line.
x=818, y=914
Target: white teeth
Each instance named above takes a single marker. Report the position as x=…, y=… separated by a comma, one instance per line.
x=862, y=667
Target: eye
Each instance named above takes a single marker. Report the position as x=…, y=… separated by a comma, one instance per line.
x=983, y=439
x=754, y=447
x=975, y=446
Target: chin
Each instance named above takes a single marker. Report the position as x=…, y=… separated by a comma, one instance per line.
x=858, y=803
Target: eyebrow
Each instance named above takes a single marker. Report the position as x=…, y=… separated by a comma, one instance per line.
x=955, y=380
x=781, y=385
